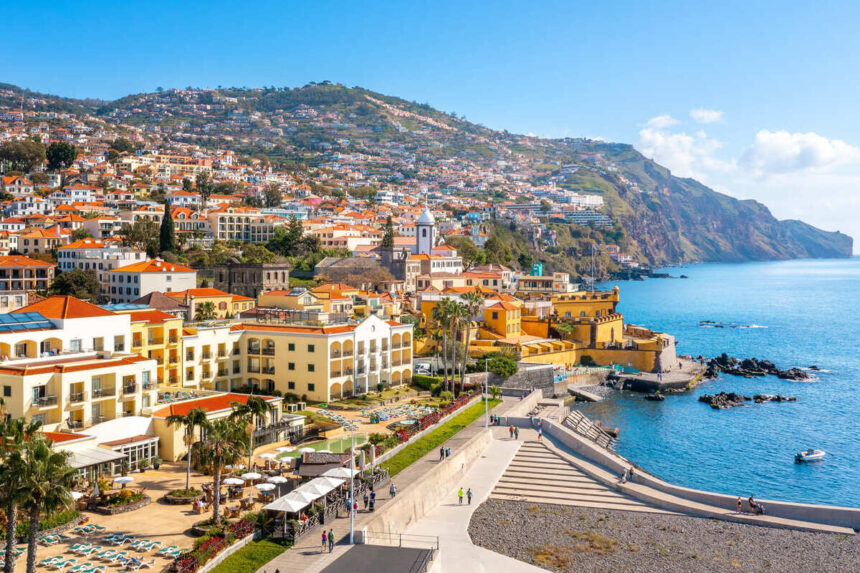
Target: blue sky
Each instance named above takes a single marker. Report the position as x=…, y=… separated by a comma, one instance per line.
x=776, y=84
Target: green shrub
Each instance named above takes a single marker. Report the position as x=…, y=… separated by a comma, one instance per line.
x=425, y=382
x=22, y=528
x=193, y=492
x=502, y=366
x=586, y=360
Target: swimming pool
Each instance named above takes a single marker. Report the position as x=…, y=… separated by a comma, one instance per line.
x=336, y=445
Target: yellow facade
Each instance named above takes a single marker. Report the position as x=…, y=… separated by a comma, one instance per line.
x=291, y=300
x=503, y=318
x=158, y=335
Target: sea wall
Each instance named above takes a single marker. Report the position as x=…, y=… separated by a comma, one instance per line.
x=831, y=515
x=424, y=494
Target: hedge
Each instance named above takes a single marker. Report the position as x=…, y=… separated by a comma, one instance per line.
x=425, y=382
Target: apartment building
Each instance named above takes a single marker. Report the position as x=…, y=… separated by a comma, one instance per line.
x=34, y=241
x=133, y=281
x=156, y=335
x=99, y=256
x=21, y=274
x=326, y=363
x=212, y=358
x=244, y=224
x=223, y=304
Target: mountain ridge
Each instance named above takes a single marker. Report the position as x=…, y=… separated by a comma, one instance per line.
x=660, y=218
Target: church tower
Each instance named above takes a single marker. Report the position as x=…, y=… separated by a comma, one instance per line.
x=425, y=232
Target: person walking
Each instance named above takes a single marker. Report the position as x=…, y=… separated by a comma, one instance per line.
x=447, y=452
x=324, y=541
x=540, y=435
x=441, y=454
x=740, y=505
x=366, y=499
x=460, y=495
x=330, y=540
x=511, y=432
x=469, y=495
x=630, y=475
x=516, y=433
x=624, y=476
x=392, y=490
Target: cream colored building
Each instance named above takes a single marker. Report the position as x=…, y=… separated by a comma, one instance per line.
x=133, y=281
x=211, y=357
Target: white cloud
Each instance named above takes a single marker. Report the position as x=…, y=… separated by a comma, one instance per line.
x=661, y=122
x=706, y=115
x=778, y=152
x=686, y=155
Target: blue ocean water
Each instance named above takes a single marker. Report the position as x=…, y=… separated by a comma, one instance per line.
x=804, y=313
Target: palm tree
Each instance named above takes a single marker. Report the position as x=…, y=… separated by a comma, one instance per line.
x=14, y=435
x=474, y=303
x=205, y=311
x=248, y=412
x=224, y=445
x=47, y=480
x=194, y=419
x=443, y=314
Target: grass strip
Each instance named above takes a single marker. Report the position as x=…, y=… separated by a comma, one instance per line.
x=251, y=557
x=429, y=442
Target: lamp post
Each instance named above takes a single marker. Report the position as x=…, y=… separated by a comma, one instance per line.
x=486, y=392
x=351, y=487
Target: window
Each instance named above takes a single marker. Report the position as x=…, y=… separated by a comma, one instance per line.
x=311, y=368
x=75, y=345
x=291, y=366
x=311, y=387
x=310, y=347
x=495, y=316
x=290, y=386
x=7, y=390
x=291, y=346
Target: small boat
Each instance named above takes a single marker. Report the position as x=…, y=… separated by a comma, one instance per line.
x=809, y=455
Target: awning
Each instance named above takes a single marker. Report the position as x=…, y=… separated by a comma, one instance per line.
x=87, y=457
x=287, y=505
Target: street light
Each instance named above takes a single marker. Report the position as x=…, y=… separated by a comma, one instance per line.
x=351, y=481
x=486, y=392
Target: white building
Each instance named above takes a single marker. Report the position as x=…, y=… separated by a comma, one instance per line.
x=99, y=256
x=133, y=281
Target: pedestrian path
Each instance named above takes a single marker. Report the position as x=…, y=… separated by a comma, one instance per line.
x=450, y=520
x=539, y=475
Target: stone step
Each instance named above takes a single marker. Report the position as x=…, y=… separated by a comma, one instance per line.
x=562, y=493
x=595, y=489
x=538, y=479
x=577, y=503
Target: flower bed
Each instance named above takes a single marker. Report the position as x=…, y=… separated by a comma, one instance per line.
x=120, y=503
x=211, y=544
x=183, y=496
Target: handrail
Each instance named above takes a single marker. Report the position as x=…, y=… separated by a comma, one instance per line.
x=398, y=539
x=577, y=422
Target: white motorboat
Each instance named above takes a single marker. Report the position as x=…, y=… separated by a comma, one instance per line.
x=809, y=455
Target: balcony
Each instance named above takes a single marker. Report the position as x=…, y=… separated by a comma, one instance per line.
x=237, y=371
x=75, y=397
x=223, y=372
x=206, y=375
x=206, y=356
x=236, y=351
x=347, y=353
x=222, y=354
x=268, y=370
x=268, y=351
x=253, y=350
x=155, y=341
x=254, y=369
x=173, y=360
x=119, y=347
x=347, y=371
x=173, y=339
x=173, y=380
x=336, y=374
x=136, y=343
x=129, y=388
x=149, y=385
x=103, y=392
x=189, y=357
x=46, y=401
x=159, y=360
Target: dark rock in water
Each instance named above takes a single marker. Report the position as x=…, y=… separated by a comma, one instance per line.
x=684, y=277
x=814, y=367
x=724, y=400
x=793, y=374
x=655, y=397
x=759, y=398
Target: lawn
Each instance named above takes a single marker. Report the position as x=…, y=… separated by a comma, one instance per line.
x=429, y=442
x=251, y=557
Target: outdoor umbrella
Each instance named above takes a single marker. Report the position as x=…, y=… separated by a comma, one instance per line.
x=233, y=481
x=324, y=451
x=251, y=476
x=277, y=479
x=265, y=486
x=306, y=450
x=283, y=449
x=123, y=480
x=76, y=495
x=344, y=473
x=267, y=456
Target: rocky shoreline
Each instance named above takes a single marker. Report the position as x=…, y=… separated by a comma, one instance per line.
x=724, y=400
x=752, y=367
x=563, y=538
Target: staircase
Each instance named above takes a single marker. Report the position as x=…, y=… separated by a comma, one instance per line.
x=584, y=427
x=538, y=475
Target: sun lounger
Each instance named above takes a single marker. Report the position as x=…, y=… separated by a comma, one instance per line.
x=48, y=561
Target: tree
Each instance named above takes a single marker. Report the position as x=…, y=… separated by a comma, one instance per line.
x=166, y=235
x=22, y=155
x=14, y=435
x=204, y=186
x=194, y=419
x=502, y=366
x=205, y=311
x=249, y=413
x=253, y=253
x=224, y=445
x=60, y=155
x=143, y=235
x=287, y=239
x=122, y=145
x=77, y=283
x=81, y=233
x=497, y=251
x=474, y=303
x=47, y=480
x=186, y=185
x=471, y=254
x=388, y=235
x=272, y=194
x=445, y=313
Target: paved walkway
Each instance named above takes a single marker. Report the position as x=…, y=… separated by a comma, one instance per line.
x=450, y=520
x=540, y=475
x=305, y=557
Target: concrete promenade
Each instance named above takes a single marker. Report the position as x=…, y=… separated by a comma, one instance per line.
x=305, y=556
x=450, y=520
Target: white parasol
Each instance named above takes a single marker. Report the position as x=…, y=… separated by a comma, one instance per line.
x=233, y=481
x=251, y=476
x=265, y=486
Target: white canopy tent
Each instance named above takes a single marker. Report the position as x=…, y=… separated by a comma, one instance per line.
x=342, y=473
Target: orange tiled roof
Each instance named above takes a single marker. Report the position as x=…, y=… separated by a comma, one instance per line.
x=154, y=266
x=210, y=404
x=22, y=261
x=150, y=316
x=63, y=307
